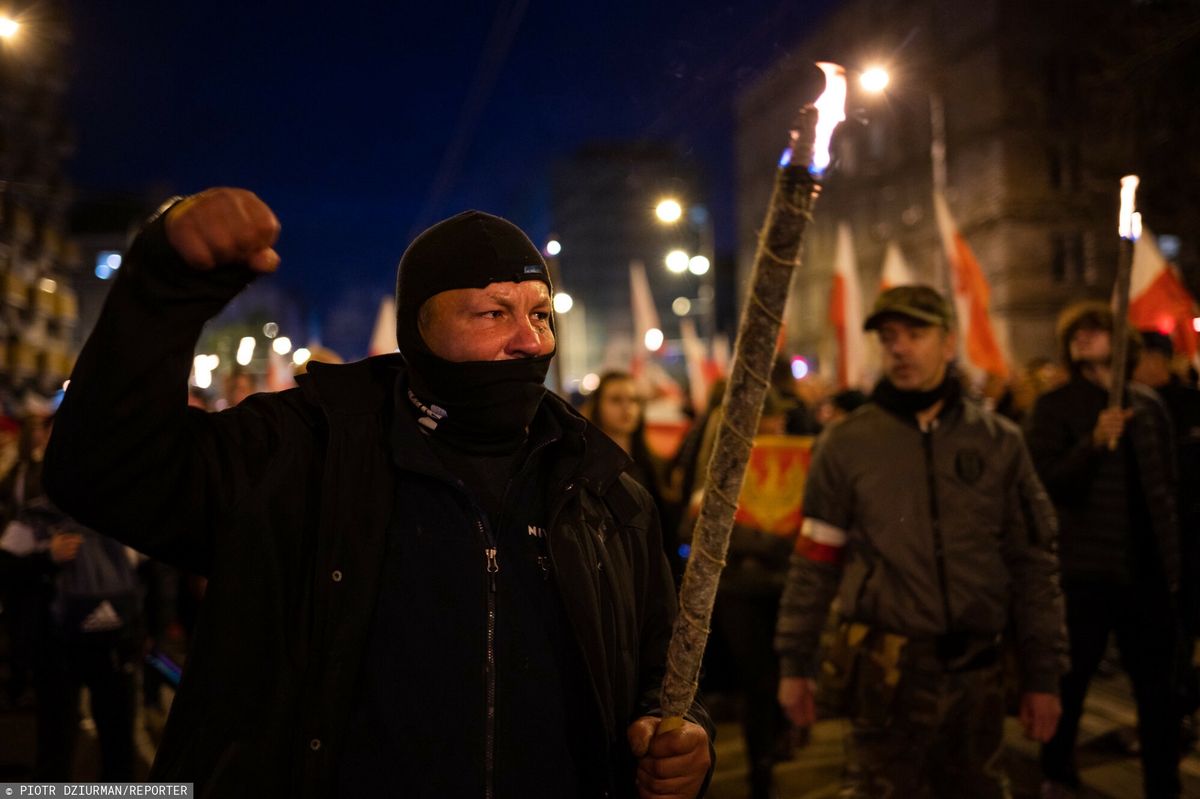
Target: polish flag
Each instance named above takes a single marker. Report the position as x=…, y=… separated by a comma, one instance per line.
x=694, y=356
x=971, y=296
x=1158, y=299
x=896, y=271
x=845, y=311
x=383, y=336
x=645, y=316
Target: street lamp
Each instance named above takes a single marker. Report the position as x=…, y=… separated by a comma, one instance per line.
x=8, y=27
x=677, y=261
x=877, y=81
x=668, y=210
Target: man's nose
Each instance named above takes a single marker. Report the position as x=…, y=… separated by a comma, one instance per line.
x=529, y=340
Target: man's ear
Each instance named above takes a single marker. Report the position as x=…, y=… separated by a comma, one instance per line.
x=950, y=344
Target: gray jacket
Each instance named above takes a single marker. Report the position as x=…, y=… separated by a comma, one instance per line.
x=927, y=533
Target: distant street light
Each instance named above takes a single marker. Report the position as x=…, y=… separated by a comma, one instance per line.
x=677, y=261
x=874, y=79
x=563, y=302
x=682, y=306
x=653, y=339
x=8, y=27
x=698, y=265
x=668, y=210
x=282, y=345
x=245, y=350
x=301, y=356
x=553, y=247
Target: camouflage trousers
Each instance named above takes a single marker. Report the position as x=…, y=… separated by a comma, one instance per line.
x=935, y=734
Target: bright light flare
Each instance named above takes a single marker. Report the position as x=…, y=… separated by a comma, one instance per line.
x=1125, y=226
x=682, y=306
x=668, y=210
x=874, y=79
x=301, y=356
x=799, y=368
x=589, y=383
x=8, y=27
x=831, y=110
x=698, y=265
x=553, y=247
x=653, y=339
x=271, y=329
x=563, y=302
x=282, y=345
x=245, y=351
x=677, y=261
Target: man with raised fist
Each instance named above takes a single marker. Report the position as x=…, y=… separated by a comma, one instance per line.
x=427, y=575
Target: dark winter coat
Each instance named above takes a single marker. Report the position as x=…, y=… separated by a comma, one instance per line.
x=284, y=502
x=1060, y=442
x=945, y=531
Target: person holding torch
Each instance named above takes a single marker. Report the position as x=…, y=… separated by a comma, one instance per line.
x=428, y=576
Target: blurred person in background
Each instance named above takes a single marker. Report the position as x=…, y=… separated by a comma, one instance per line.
x=88, y=631
x=619, y=411
x=924, y=518
x=1111, y=475
x=1154, y=369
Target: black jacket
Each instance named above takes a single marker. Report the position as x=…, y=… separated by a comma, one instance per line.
x=283, y=502
x=1060, y=442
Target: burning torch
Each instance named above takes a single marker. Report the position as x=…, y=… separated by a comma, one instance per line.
x=1129, y=227
x=779, y=246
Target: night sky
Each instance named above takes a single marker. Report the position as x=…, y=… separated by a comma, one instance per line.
x=363, y=125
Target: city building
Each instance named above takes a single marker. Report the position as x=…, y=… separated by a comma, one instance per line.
x=606, y=215
x=38, y=307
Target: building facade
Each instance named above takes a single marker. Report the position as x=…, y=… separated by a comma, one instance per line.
x=38, y=306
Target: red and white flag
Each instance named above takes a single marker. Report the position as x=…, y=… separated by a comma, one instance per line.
x=972, y=297
x=1158, y=298
x=645, y=317
x=694, y=356
x=845, y=311
x=383, y=337
x=896, y=271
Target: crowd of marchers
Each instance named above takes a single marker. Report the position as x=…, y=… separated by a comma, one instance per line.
x=446, y=571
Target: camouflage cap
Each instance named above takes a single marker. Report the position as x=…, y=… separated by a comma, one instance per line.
x=920, y=303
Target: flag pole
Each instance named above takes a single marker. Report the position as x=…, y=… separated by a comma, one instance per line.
x=779, y=247
x=1128, y=228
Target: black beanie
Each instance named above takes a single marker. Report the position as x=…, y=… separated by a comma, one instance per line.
x=467, y=251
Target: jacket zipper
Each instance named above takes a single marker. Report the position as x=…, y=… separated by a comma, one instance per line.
x=939, y=549
x=492, y=568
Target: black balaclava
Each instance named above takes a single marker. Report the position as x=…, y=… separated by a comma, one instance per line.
x=480, y=407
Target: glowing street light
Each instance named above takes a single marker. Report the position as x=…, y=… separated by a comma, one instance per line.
x=553, y=247
x=282, y=345
x=653, y=339
x=301, y=356
x=245, y=351
x=668, y=210
x=698, y=265
x=677, y=261
x=874, y=79
x=563, y=302
x=8, y=27
x=682, y=306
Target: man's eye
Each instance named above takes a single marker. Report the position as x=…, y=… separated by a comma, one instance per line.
x=541, y=316
x=492, y=314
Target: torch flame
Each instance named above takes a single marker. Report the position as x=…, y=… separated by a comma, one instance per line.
x=831, y=109
x=1125, y=224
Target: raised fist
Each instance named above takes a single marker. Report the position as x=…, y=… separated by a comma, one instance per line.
x=224, y=226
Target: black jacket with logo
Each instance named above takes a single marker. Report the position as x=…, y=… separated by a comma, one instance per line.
x=284, y=503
